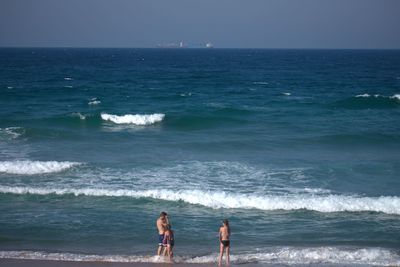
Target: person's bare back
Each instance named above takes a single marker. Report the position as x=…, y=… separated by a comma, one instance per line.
x=224, y=233
x=162, y=226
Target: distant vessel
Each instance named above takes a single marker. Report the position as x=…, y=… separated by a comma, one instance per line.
x=182, y=44
x=172, y=45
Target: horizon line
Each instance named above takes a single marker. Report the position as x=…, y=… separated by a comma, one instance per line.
x=189, y=48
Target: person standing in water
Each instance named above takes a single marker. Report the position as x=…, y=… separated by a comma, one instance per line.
x=162, y=225
x=169, y=243
x=224, y=235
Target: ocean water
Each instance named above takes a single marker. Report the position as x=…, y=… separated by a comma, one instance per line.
x=299, y=149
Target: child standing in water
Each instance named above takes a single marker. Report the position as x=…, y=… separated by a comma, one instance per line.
x=224, y=234
x=169, y=242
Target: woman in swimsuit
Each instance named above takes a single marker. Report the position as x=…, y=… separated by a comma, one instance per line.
x=224, y=234
x=169, y=243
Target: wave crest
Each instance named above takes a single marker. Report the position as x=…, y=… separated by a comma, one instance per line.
x=395, y=96
x=216, y=200
x=137, y=119
x=11, y=132
x=94, y=102
x=35, y=167
x=364, y=101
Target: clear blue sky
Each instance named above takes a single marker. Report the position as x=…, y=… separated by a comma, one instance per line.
x=226, y=23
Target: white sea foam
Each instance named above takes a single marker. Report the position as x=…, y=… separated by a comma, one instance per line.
x=137, y=119
x=216, y=200
x=395, y=96
x=286, y=93
x=278, y=255
x=363, y=95
x=80, y=115
x=68, y=86
x=10, y=87
x=317, y=255
x=186, y=94
x=261, y=83
x=68, y=78
x=35, y=167
x=94, y=102
x=11, y=132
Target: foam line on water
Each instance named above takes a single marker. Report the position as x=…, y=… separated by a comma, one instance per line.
x=11, y=132
x=317, y=255
x=94, y=102
x=395, y=96
x=35, y=167
x=137, y=119
x=79, y=115
x=216, y=200
x=280, y=255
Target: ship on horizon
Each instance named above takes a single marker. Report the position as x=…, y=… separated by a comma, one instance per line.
x=182, y=44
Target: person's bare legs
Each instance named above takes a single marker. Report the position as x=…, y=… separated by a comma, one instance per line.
x=221, y=253
x=165, y=251
x=227, y=255
x=159, y=251
x=170, y=253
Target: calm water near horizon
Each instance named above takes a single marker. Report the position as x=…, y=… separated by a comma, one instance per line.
x=299, y=149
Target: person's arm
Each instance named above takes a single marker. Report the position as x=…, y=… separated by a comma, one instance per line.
x=220, y=235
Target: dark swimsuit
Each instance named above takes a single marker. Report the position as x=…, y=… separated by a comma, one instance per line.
x=160, y=239
x=225, y=243
x=169, y=241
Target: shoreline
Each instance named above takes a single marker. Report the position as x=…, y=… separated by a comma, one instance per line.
x=276, y=256
x=60, y=263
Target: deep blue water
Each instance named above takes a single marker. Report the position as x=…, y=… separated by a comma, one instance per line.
x=300, y=149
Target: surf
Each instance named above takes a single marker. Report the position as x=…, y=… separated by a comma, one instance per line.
x=219, y=199
x=137, y=119
x=367, y=101
x=29, y=167
x=274, y=255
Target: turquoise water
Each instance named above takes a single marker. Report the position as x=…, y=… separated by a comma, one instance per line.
x=300, y=149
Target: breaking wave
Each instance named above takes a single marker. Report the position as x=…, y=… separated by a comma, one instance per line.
x=35, y=167
x=94, y=102
x=364, y=101
x=134, y=119
x=216, y=200
x=11, y=132
x=79, y=115
x=278, y=255
x=395, y=96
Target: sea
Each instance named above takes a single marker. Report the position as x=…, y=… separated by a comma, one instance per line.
x=298, y=149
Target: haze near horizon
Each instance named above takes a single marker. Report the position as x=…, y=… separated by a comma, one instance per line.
x=366, y=24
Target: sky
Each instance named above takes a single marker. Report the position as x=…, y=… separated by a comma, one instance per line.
x=366, y=24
